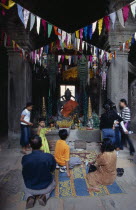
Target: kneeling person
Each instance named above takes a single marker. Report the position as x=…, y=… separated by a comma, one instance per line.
x=37, y=173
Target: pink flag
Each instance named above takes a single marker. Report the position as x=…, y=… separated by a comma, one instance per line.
x=44, y=26
x=107, y=23
x=125, y=11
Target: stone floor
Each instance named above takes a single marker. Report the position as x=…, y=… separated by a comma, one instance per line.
x=11, y=184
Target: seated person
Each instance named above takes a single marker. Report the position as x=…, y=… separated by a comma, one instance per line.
x=105, y=163
x=41, y=131
x=62, y=154
x=37, y=174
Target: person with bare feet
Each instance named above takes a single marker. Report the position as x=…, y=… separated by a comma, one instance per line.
x=105, y=173
x=37, y=169
x=25, y=127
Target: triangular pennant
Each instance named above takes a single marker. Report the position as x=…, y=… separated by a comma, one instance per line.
x=113, y=18
x=81, y=33
x=20, y=13
x=63, y=36
x=77, y=34
x=90, y=31
x=32, y=21
x=120, y=17
x=94, y=26
x=125, y=11
x=85, y=32
x=133, y=8
x=56, y=31
x=107, y=23
x=100, y=24
x=59, y=36
x=78, y=44
x=38, y=24
x=26, y=17
x=49, y=29
x=44, y=26
x=68, y=39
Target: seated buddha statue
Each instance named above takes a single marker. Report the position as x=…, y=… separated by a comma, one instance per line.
x=67, y=108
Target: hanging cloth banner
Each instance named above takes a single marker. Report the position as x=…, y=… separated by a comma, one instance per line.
x=49, y=29
x=69, y=60
x=83, y=45
x=32, y=21
x=113, y=18
x=26, y=17
x=56, y=31
x=133, y=8
x=68, y=39
x=94, y=26
x=44, y=26
x=107, y=23
x=38, y=24
x=78, y=44
x=125, y=11
x=10, y=4
x=20, y=13
x=120, y=17
x=90, y=31
x=85, y=32
x=63, y=36
x=100, y=24
x=59, y=57
x=77, y=34
x=81, y=33
x=73, y=38
x=59, y=36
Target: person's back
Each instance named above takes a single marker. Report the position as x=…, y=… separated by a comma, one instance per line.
x=37, y=168
x=62, y=152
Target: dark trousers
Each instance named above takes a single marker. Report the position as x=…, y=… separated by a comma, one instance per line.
x=25, y=135
x=118, y=138
x=126, y=139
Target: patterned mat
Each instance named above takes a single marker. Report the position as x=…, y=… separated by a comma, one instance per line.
x=76, y=185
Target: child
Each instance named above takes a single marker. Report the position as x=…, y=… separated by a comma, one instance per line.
x=41, y=131
x=62, y=152
x=25, y=127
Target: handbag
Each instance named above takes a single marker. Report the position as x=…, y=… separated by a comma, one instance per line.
x=92, y=168
x=120, y=172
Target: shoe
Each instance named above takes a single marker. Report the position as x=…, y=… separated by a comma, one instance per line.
x=57, y=166
x=63, y=169
x=42, y=200
x=30, y=202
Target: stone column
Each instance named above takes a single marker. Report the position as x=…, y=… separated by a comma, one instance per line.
x=117, y=87
x=19, y=90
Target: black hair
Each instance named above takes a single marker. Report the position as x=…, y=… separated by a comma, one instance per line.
x=29, y=104
x=63, y=134
x=124, y=101
x=41, y=119
x=107, y=145
x=114, y=108
x=36, y=142
x=106, y=107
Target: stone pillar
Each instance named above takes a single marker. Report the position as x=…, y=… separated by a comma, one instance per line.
x=117, y=87
x=19, y=90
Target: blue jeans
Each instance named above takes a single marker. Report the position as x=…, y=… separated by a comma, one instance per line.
x=118, y=138
x=109, y=133
x=25, y=135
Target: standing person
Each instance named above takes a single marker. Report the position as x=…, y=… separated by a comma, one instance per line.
x=107, y=123
x=25, y=127
x=41, y=131
x=117, y=127
x=125, y=114
x=37, y=174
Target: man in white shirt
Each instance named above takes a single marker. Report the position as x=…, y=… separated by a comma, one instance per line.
x=126, y=116
x=25, y=127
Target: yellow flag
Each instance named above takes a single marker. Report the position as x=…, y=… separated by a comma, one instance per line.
x=77, y=34
x=10, y=4
x=100, y=24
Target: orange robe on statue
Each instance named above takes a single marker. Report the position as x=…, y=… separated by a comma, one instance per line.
x=69, y=107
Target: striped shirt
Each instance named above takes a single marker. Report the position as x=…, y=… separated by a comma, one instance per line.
x=126, y=116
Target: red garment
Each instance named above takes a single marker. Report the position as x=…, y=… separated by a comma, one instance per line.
x=69, y=107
